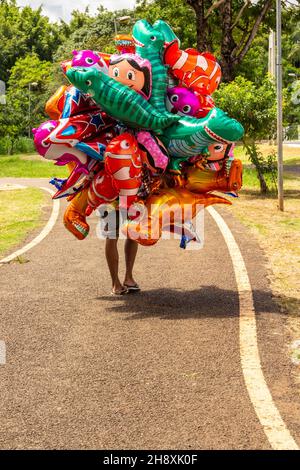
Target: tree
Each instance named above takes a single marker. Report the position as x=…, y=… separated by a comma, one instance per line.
x=14, y=116
x=238, y=21
x=95, y=32
x=23, y=31
x=255, y=107
x=294, y=53
x=177, y=13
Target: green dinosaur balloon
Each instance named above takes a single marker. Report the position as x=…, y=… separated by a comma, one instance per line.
x=118, y=100
x=149, y=43
x=166, y=30
x=190, y=136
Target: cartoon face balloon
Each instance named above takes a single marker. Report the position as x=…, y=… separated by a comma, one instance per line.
x=88, y=58
x=199, y=71
x=217, y=151
x=60, y=153
x=133, y=71
x=125, y=43
x=217, y=155
x=182, y=101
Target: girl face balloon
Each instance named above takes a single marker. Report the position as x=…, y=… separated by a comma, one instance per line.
x=133, y=71
x=217, y=154
x=218, y=151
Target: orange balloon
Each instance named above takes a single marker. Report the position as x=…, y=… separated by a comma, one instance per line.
x=199, y=71
x=125, y=43
x=74, y=216
x=66, y=65
x=164, y=210
x=71, y=166
x=54, y=105
x=201, y=180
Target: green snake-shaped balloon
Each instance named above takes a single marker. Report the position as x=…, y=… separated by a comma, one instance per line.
x=190, y=136
x=118, y=100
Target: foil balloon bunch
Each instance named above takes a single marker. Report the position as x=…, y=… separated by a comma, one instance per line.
x=140, y=126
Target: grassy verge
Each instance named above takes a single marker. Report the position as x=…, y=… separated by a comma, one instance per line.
x=29, y=166
x=291, y=155
x=20, y=212
x=279, y=235
x=34, y=166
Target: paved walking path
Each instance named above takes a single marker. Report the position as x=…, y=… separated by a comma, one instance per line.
x=157, y=370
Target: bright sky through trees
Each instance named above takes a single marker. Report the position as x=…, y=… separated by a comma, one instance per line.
x=56, y=9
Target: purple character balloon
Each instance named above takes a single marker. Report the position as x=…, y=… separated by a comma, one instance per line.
x=182, y=101
x=62, y=155
x=87, y=58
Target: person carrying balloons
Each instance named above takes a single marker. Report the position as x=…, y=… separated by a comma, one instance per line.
x=140, y=129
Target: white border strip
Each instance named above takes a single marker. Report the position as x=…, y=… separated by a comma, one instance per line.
x=46, y=230
x=259, y=393
x=2, y=353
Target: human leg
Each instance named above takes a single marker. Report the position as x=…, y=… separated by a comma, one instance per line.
x=112, y=258
x=131, y=248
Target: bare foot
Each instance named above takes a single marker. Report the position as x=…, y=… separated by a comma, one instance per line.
x=119, y=289
x=131, y=285
x=129, y=282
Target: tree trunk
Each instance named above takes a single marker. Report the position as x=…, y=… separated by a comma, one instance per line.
x=252, y=152
x=262, y=182
x=201, y=24
x=227, y=66
x=227, y=45
x=231, y=53
x=201, y=27
x=10, y=147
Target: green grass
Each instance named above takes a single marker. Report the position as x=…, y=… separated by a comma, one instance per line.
x=291, y=155
x=279, y=235
x=20, y=212
x=293, y=161
x=24, y=166
x=250, y=180
x=34, y=166
x=293, y=224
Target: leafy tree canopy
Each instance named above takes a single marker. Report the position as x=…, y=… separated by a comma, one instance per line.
x=24, y=31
